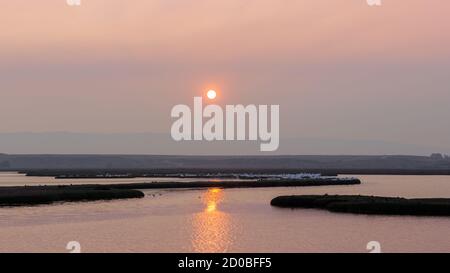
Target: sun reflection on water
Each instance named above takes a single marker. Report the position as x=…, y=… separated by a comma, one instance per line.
x=211, y=227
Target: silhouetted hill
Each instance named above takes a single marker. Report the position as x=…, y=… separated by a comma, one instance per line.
x=349, y=164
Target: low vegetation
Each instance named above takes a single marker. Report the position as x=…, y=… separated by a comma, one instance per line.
x=25, y=196
x=367, y=204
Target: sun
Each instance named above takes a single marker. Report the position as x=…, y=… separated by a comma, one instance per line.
x=211, y=94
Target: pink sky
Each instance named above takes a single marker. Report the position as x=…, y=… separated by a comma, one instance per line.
x=338, y=68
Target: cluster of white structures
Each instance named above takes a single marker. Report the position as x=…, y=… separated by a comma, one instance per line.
x=287, y=176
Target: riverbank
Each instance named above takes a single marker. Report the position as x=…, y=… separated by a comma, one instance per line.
x=367, y=204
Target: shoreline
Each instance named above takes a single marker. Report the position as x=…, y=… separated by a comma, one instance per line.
x=215, y=172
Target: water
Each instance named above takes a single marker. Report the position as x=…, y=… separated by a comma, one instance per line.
x=231, y=220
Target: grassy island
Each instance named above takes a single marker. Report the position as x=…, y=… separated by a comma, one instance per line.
x=367, y=204
x=36, y=195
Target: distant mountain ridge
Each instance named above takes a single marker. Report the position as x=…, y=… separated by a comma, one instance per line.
x=65, y=150
x=304, y=162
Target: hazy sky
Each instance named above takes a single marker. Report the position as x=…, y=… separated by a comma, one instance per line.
x=339, y=69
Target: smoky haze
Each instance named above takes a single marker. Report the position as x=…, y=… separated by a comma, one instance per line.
x=148, y=143
x=349, y=78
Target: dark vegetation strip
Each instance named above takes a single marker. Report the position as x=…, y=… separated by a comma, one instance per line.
x=235, y=184
x=224, y=172
x=367, y=204
x=171, y=172
x=25, y=196
x=33, y=195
